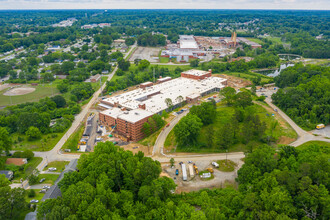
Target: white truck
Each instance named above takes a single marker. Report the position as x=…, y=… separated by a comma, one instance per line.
x=184, y=172
x=215, y=164
x=191, y=170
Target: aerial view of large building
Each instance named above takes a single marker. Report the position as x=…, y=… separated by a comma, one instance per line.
x=129, y=111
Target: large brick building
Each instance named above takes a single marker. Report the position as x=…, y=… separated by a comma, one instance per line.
x=129, y=111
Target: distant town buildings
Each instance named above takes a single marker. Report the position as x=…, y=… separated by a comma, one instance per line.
x=128, y=112
x=65, y=23
x=90, y=26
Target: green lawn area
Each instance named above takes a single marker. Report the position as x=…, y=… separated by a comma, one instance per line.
x=50, y=178
x=41, y=91
x=96, y=85
x=46, y=143
x=164, y=59
x=74, y=139
x=59, y=165
x=206, y=179
x=226, y=165
x=38, y=196
x=256, y=40
x=224, y=115
x=275, y=40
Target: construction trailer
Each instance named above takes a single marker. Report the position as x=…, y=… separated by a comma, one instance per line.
x=184, y=172
x=191, y=170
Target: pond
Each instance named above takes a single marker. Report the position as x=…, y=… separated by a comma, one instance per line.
x=274, y=72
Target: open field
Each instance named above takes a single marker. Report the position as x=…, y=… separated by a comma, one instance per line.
x=59, y=165
x=41, y=91
x=256, y=40
x=49, y=178
x=74, y=139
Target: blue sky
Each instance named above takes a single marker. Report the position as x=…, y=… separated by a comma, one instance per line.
x=165, y=4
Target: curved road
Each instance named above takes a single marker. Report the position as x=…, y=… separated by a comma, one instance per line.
x=303, y=136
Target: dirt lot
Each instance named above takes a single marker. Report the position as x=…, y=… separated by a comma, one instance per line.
x=196, y=183
x=19, y=91
x=146, y=53
x=233, y=81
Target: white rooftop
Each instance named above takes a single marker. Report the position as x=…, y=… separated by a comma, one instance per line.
x=154, y=96
x=134, y=115
x=196, y=72
x=188, y=42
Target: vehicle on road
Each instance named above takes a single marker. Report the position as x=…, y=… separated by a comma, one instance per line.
x=46, y=187
x=168, y=125
x=177, y=172
x=320, y=126
x=43, y=179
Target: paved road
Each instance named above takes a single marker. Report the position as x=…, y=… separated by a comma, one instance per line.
x=55, y=154
x=159, y=144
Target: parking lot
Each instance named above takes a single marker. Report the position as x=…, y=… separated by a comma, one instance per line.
x=146, y=53
x=196, y=183
x=324, y=131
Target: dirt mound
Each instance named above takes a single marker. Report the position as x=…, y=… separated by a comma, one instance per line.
x=19, y=91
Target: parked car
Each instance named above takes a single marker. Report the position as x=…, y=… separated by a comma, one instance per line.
x=46, y=187
x=52, y=169
x=34, y=201
x=215, y=164
x=43, y=179
x=43, y=191
x=67, y=150
x=177, y=172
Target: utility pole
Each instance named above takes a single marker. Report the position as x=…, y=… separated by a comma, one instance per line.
x=154, y=74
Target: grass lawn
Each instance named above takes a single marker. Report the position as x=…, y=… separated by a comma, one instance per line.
x=96, y=85
x=224, y=115
x=38, y=195
x=59, y=165
x=256, y=40
x=206, y=179
x=46, y=143
x=164, y=59
x=226, y=165
x=41, y=91
x=49, y=178
x=73, y=140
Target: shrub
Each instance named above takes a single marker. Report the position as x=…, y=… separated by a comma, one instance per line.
x=31, y=193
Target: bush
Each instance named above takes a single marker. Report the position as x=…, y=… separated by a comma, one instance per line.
x=24, y=154
x=33, y=133
x=33, y=179
x=31, y=193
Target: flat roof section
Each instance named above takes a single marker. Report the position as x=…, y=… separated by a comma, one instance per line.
x=154, y=96
x=196, y=72
x=135, y=115
x=113, y=112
